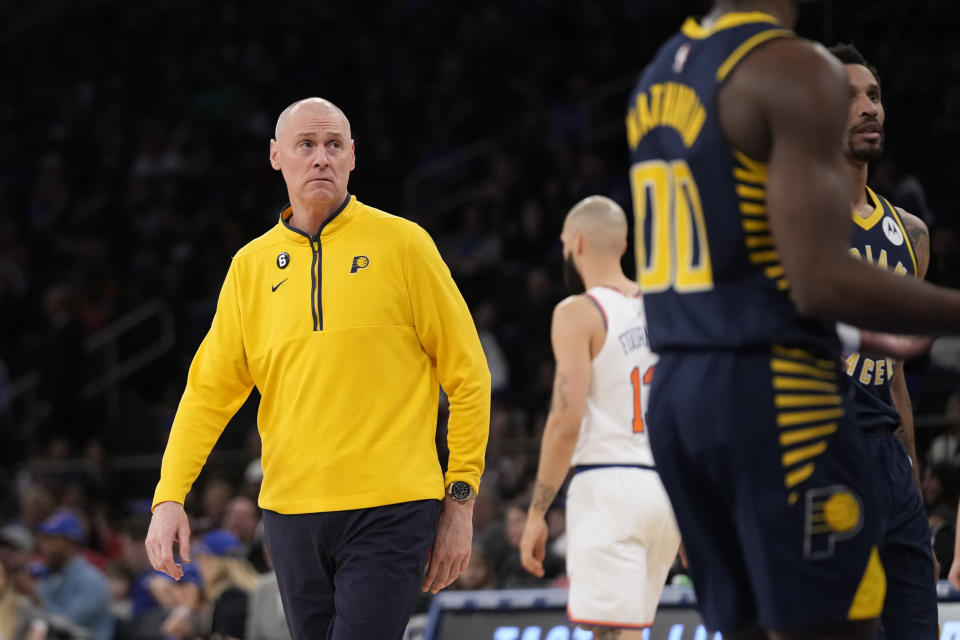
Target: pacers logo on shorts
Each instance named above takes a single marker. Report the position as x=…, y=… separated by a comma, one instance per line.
x=359, y=262
x=833, y=513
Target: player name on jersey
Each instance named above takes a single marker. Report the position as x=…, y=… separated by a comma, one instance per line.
x=633, y=338
x=666, y=104
x=880, y=260
x=872, y=372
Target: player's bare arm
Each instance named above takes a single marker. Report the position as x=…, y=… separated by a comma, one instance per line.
x=920, y=241
x=905, y=432
x=787, y=105
x=576, y=333
x=919, y=238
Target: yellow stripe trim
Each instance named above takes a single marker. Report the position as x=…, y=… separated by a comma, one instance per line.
x=871, y=220
x=797, y=476
x=755, y=242
x=868, y=600
x=794, y=456
x=749, y=45
x=779, y=365
x=783, y=284
x=752, y=171
x=800, y=354
x=755, y=225
x=792, y=352
x=773, y=272
x=692, y=29
x=742, y=175
x=752, y=208
x=754, y=193
x=757, y=257
x=793, y=418
x=788, y=438
x=789, y=401
x=782, y=383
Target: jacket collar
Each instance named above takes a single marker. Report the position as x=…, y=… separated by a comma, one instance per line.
x=342, y=217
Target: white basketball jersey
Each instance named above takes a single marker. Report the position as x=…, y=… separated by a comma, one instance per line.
x=613, y=429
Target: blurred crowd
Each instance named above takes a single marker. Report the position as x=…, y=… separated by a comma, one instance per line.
x=133, y=164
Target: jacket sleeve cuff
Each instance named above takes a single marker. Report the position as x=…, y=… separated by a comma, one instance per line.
x=166, y=494
x=453, y=476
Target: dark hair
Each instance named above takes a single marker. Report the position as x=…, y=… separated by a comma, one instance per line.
x=847, y=53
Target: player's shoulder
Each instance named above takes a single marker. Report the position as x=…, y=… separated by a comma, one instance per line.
x=914, y=225
x=785, y=65
x=794, y=56
x=919, y=235
x=578, y=311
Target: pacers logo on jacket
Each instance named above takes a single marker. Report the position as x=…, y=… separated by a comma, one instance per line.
x=359, y=262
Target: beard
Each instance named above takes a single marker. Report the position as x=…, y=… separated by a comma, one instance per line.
x=865, y=152
x=571, y=277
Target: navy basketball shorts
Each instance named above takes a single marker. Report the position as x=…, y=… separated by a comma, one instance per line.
x=351, y=575
x=772, y=487
x=910, y=610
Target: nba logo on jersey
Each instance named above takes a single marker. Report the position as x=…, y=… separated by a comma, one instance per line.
x=833, y=513
x=680, y=59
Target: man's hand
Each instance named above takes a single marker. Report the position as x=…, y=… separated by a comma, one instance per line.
x=168, y=525
x=533, y=544
x=450, y=553
x=892, y=345
x=954, y=575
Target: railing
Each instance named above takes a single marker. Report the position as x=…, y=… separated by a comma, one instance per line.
x=115, y=370
x=241, y=457
x=22, y=393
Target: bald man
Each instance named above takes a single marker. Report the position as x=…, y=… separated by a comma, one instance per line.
x=345, y=318
x=622, y=537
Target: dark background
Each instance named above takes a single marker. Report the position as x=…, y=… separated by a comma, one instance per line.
x=133, y=165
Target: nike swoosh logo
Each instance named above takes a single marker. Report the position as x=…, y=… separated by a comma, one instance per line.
x=276, y=286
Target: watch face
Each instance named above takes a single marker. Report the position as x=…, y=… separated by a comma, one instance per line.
x=459, y=490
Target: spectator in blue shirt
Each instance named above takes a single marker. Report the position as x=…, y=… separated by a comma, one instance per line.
x=74, y=588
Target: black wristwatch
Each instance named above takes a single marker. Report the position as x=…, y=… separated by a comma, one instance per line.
x=461, y=491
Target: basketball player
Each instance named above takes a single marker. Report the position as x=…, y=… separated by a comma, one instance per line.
x=742, y=201
x=890, y=238
x=622, y=536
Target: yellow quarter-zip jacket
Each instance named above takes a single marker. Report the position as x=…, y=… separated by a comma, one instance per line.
x=347, y=335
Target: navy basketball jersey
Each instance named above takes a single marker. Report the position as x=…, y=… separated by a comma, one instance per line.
x=881, y=240
x=706, y=261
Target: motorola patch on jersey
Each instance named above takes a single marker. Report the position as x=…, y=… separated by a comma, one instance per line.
x=892, y=230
